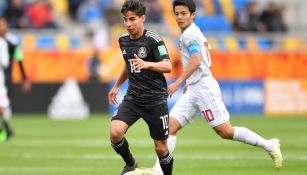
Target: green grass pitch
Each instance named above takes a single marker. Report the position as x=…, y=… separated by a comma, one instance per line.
x=45, y=147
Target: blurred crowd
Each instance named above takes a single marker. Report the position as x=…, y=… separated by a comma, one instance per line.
x=269, y=19
x=36, y=14
x=39, y=14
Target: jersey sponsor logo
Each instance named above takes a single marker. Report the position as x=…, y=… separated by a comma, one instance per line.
x=142, y=52
x=162, y=50
x=124, y=52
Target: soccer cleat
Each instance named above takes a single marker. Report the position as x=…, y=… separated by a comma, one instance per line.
x=127, y=168
x=3, y=135
x=10, y=134
x=275, y=153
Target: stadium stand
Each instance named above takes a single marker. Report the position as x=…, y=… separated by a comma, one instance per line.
x=215, y=20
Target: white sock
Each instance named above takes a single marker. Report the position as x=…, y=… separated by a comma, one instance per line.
x=249, y=137
x=7, y=114
x=171, y=144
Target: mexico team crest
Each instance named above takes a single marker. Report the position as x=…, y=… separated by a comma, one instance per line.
x=142, y=52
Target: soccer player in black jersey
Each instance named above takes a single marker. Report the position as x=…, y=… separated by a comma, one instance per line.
x=146, y=59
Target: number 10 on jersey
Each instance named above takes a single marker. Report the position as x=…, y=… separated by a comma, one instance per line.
x=164, y=121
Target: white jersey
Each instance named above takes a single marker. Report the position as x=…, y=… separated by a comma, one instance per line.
x=4, y=62
x=11, y=38
x=203, y=94
x=192, y=38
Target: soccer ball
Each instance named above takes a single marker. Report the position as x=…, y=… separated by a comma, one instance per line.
x=138, y=171
x=134, y=172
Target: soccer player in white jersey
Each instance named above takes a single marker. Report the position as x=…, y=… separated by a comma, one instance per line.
x=4, y=101
x=203, y=93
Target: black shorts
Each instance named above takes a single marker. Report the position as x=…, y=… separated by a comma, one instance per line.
x=156, y=117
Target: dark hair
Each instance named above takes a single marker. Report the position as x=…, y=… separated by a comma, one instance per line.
x=188, y=3
x=136, y=6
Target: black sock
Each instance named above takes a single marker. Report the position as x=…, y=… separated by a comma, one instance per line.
x=2, y=124
x=166, y=164
x=6, y=126
x=122, y=148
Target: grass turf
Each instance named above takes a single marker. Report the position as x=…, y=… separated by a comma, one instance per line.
x=45, y=147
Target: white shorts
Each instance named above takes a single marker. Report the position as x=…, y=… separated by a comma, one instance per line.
x=204, y=97
x=4, y=100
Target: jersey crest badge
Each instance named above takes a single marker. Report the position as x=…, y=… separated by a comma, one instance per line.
x=142, y=52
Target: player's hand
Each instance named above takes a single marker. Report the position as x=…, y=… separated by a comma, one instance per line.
x=172, y=88
x=26, y=86
x=112, y=96
x=139, y=64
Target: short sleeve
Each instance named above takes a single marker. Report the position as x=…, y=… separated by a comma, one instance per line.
x=160, y=51
x=192, y=44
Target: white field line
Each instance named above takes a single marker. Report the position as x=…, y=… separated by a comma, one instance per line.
x=179, y=156
x=52, y=169
x=99, y=143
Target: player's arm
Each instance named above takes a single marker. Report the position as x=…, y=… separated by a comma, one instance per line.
x=163, y=66
x=17, y=54
x=193, y=65
x=26, y=84
x=195, y=61
x=113, y=92
x=194, y=50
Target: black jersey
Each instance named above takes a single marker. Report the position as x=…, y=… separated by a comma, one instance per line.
x=8, y=71
x=146, y=87
x=12, y=43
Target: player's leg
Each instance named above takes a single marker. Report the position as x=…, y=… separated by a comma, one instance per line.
x=247, y=136
x=165, y=157
x=183, y=113
x=174, y=126
x=157, y=119
x=121, y=121
x=2, y=131
x=242, y=134
x=5, y=129
x=214, y=111
x=6, y=125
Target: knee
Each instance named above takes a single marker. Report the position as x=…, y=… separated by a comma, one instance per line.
x=161, y=150
x=172, y=130
x=225, y=133
x=1, y=112
x=116, y=135
x=174, y=126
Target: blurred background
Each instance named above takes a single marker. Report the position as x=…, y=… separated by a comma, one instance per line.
x=71, y=54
